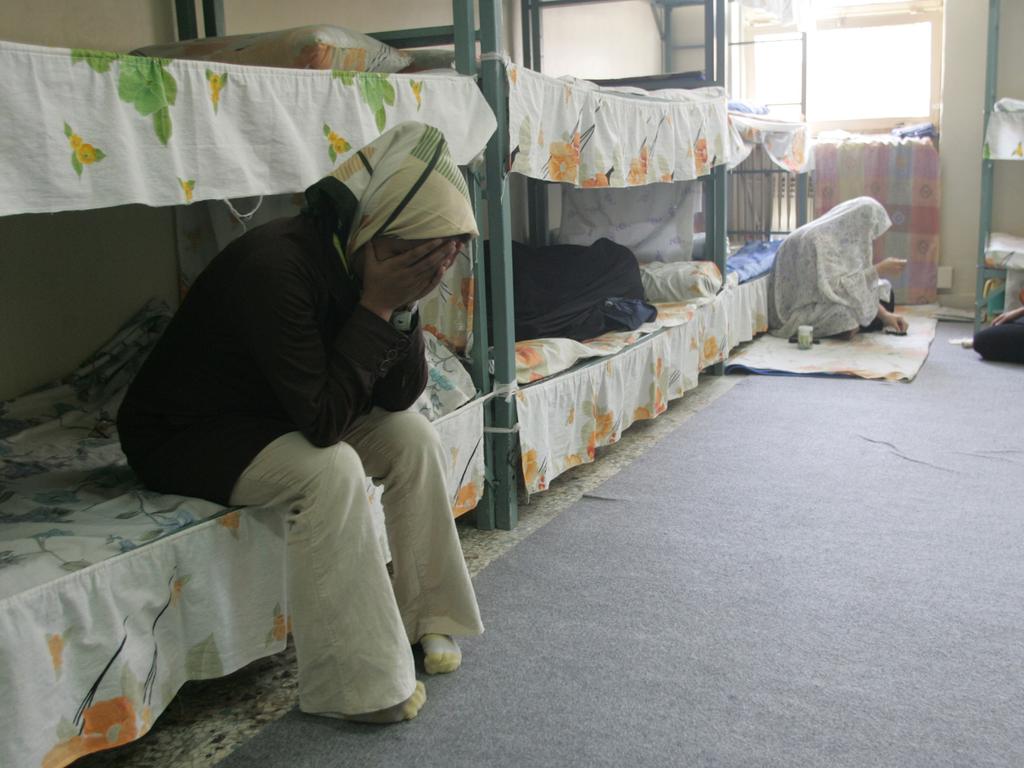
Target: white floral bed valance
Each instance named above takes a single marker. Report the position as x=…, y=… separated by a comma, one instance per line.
x=88, y=129
x=787, y=144
x=573, y=131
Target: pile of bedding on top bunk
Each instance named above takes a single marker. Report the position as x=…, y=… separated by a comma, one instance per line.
x=309, y=47
x=113, y=596
x=319, y=46
x=1004, y=135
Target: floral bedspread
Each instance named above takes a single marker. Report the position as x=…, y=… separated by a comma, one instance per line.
x=539, y=358
x=89, y=129
x=565, y=419
x=573, y=131
x=112, y=596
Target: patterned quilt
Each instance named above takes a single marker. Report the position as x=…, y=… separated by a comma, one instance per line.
x=901, y=174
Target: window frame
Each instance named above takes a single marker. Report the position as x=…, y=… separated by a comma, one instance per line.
x=853, y=17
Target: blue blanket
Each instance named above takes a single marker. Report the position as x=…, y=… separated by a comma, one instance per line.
x=753, y=259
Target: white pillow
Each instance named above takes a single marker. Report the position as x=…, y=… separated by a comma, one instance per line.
x=680, y=281
x=654, y=221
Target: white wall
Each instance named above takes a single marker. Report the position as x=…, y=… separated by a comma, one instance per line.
x=961, y=137
x=603, y=40
x=70, y=279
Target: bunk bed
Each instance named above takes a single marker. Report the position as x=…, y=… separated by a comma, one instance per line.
x=113, y=596
x=773, y=154
x=574, y=397
x=1000, y=254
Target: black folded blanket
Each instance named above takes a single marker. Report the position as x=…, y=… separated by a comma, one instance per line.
x=577, y=292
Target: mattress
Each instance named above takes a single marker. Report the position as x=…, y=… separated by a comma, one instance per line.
x=565, y=419
x=112, y=596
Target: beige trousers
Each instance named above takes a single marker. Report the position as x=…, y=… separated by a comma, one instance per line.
x=353, y=625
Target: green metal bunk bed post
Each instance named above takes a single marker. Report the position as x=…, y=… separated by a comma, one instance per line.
x=987, y=167
x=536, y=190
x=188, y=22
x=716, y=218
x=464, y=29
x=501, y=438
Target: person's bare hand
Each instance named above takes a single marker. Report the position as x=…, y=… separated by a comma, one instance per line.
x=397, y=273
x=890, y=268
x=1009, y=316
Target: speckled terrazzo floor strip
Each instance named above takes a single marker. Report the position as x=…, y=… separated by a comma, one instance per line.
x=207, y=720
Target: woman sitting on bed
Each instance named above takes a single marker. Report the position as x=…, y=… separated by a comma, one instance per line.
x=283, y=381
x=823, y=275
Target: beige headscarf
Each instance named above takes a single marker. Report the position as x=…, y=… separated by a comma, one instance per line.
x=403, y=185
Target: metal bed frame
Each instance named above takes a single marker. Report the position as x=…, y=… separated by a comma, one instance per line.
x=496, y=372
x=984, y=272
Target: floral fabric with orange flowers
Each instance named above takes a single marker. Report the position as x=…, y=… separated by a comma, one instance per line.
x=565, y=419
x=787, y=144
x=84, y=129
x=573, y=131
x=113, y=596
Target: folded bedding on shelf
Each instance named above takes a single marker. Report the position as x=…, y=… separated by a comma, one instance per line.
x=1004, y=251
x=563, y=290
x=753, y=260
x=98, y=574
x=309, y=47
x=1004, y=135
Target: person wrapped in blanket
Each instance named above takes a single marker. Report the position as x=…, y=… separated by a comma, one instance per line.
x=1003, y=341
x=283, y=381
x=823, y=275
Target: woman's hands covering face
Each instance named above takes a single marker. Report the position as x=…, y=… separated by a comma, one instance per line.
x=398, y=272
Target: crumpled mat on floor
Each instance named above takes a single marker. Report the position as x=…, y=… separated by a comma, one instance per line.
x=878, y=356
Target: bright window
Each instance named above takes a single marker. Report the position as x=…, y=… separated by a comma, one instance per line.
x=870, y=72
x=871, y=64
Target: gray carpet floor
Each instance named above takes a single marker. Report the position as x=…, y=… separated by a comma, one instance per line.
x=810, y=572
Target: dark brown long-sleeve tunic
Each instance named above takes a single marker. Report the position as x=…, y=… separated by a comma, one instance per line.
x=270, y=339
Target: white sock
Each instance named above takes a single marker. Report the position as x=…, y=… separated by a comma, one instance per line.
x=441, y=654
x=405, y=710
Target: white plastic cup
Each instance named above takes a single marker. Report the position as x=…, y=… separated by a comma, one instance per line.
x=805, y=336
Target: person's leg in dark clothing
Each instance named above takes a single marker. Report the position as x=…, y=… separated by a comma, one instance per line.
x=1002, y=343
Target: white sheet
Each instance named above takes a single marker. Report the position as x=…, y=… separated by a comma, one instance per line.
x=82, y=129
